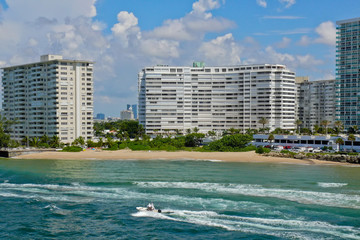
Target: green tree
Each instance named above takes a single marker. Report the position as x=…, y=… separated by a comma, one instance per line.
x=352, y=138
x=298, y=123
x=338, y=127
x=325, y=123
x=34, y=142
x=44, y=141
x=196, y=130
x=110, y=142
x=339, y=142
x=193, y=139
x=355, y=127
x=271, y=138
x=211, y=134
x=263, y=121
x=316, y=128
x=251, y=131
x=178, y=132
x=306, y=131
x=25, y=141
x=90, y=143
x=231, y=143
x=234, y=131
x=5, y=129
x=100, y=143
x=54, y=141
x=126, y=136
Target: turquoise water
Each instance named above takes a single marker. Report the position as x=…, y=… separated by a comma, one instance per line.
x=62, y=199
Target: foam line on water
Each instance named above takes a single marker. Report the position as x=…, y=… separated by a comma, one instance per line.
x=331, y=185
x=300, y=196
x=81, y=193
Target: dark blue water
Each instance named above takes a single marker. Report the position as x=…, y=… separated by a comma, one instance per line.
x=63, y=199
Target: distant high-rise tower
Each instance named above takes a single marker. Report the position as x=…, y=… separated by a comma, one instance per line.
x=100, y=116
x=53, y=97
x=348, y=72
x=134, y=109
x=316, y=101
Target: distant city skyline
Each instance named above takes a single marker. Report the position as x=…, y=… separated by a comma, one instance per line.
x=122, y=37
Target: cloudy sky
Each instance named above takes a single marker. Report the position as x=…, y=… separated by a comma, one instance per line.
x=123, y=36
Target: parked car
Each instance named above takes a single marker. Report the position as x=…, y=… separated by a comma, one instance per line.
x=278, y=148
x=317, y=150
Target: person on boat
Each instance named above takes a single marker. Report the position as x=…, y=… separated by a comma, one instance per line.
x=150, y=207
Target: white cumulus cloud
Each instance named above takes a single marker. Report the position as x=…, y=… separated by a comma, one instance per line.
x=288, y=3
x=327, y=33
x=262, y=3
x=285, y=42
x=205, y=5
x=221, y=51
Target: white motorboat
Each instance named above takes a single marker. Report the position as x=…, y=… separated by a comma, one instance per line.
x=149, y=208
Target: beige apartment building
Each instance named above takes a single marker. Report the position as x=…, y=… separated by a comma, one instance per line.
x=52, y=97
x=316, y=101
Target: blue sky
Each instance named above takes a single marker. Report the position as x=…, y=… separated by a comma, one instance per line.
x=124, y=36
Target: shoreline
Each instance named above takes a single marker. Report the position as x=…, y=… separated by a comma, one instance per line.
x=249, y=157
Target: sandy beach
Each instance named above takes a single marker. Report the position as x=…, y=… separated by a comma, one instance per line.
x=179, y=155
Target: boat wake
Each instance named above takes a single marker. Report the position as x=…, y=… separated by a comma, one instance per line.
x=331, y=199
x=285, y=228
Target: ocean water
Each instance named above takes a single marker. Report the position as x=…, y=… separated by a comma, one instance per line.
x=91, y=199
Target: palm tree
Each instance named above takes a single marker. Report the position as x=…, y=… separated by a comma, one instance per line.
x=141, y=130
x=34, y=141
x=316, y=128
x=232, y=131
x=271, y=138
x=126, y=136
x=25, y=141
x=196, y=130
x=298, y=123
x=81, y=140
x=325, y=123
x=339, y=142
x=211, y=134
x=167, y=132
x=263, y=121
x=339, y=126
x=355, y=127
x=44, y=139
x=178, y=132
x=55, y=141
x=109, y=142
x=100, y=143
x=352, y=138
x=188, y=131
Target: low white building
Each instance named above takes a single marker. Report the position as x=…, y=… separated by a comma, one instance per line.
x=306, y=141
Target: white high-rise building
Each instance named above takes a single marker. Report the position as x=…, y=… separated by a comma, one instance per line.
x=52, y=97
x=216, y=98
x=348, y=72
x=316, y=101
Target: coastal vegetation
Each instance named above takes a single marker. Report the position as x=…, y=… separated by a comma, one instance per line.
x=5, y=128
x=131, y=135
